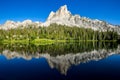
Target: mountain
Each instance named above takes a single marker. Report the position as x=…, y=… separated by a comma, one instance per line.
x=64, y=17
x=26, y=23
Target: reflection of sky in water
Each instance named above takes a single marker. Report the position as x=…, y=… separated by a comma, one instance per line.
x=71, y=61
x=37, y=69
x=108, y=68
x=22, y=69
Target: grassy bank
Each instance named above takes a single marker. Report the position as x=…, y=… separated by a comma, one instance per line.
x=47, y=41
x=35, y=41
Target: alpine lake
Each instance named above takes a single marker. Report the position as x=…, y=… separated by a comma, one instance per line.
x=60, y=61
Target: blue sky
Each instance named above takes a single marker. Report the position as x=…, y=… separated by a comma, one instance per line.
x=38, y=10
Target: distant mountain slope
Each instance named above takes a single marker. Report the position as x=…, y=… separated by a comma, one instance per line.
x=12, y=25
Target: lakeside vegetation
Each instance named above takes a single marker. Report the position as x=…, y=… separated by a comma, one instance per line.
x=55, y=33
x=58, y=48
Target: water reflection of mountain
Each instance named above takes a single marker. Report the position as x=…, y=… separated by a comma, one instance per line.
x=61, y=56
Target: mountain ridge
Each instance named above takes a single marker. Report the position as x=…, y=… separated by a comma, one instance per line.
x=76, y=20
x=64, y=17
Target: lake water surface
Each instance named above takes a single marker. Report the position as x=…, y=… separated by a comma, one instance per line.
x=60, y=61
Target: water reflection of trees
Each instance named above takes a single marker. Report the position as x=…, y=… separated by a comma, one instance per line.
x=61, y=55
x=58, y=48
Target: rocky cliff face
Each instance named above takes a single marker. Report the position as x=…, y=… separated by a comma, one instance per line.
x=64, y=17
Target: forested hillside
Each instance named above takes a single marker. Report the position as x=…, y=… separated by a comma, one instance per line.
x=56, y=32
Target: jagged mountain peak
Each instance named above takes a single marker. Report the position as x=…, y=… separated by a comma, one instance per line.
x=63, y=11
x=64, y=17
x=63, y=7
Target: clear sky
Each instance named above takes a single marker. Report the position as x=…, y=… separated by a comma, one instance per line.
x=38, y=10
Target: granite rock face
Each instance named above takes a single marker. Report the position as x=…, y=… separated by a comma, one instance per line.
x=64, y=17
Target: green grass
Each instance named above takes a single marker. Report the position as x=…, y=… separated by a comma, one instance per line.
x=15, y=41
x=47, y=41
x=35, y=41
x=42, y=41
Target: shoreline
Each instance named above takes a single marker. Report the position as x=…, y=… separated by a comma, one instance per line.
x=49, y=41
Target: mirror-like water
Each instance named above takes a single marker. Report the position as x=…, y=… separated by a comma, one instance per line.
x=60, y=61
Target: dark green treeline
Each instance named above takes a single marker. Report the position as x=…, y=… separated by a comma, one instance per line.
x=56, y=32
